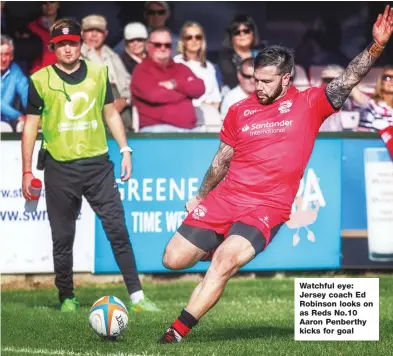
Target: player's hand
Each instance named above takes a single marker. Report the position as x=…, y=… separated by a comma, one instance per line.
x=26, y=182
x=126, y=167
x=21, y=118
x=380, y=124
x=192, y=204
x=120, y=104
x=383, y=27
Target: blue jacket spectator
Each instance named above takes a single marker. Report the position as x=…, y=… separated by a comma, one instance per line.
x=14, y=84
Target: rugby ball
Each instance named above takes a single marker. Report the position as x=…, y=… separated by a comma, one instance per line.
x=108, y=317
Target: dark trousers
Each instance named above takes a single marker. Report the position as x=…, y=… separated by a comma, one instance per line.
x=65, y=184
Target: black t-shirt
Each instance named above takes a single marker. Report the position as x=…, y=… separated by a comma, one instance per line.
x=35, y=103
x=128, y=61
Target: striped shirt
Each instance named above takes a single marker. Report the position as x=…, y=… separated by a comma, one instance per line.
x=375, y=111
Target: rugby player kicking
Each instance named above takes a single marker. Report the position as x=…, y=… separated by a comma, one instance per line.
x=248, y=191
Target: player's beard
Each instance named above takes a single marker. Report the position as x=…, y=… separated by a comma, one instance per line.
x=267, y=100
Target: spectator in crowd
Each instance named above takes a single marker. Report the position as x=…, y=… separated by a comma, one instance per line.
x=27, y=46
x=245, y=87
x=192, y=53
x=40, y=27
x=241, y=41
x=94, y=33
x=14, y=85
x=321, y=45
x=380, y=106
x=163, y=90
x=355, y=101
x=4, y=28
x=135, y=36
x=156, y=14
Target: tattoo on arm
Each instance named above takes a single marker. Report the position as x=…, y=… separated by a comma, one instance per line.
x=217, y=170
x=339, y=88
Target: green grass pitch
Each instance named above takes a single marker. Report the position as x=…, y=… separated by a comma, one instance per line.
x=254, y=317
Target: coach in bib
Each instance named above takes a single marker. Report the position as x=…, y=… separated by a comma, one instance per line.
x=70, y=99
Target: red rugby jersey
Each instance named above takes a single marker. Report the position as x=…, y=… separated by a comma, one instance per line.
x=272, y=144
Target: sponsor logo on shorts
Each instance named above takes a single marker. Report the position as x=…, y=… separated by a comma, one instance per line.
x=265, y=221
x=199, y=212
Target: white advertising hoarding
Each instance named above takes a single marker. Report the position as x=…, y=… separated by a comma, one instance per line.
x=25, y=237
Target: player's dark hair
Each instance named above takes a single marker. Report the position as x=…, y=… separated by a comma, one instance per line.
x=281, y=57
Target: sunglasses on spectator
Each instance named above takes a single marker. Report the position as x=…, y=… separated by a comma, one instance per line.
x=245, y=31
x=137, y=40
x=156, y=12
x=246, y=76
x=166, y=45
x=387, y=78
x=196, y=37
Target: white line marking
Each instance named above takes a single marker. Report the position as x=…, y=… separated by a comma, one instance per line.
x=26, y=350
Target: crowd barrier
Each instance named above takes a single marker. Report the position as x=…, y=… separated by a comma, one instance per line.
x=328, y=228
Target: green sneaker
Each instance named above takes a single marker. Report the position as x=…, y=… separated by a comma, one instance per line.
x=69, y=305
x=144, y=305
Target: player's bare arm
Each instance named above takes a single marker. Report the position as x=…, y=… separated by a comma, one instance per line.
x=339, y=89
x=217, y=170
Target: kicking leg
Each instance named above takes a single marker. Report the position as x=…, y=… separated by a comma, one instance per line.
x=181, y=253
x=231, y=255
x=188, y=245
x=234, y=253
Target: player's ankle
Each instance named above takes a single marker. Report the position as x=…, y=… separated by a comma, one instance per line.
x=184, y=323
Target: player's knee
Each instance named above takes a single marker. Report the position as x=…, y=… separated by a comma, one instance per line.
x=172, y=261
x=168, y=261
x=225, y=265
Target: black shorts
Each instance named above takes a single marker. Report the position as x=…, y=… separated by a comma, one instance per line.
x=209, y=240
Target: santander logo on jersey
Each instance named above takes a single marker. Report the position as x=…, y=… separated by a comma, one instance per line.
x=245, y=128
x=269, y=127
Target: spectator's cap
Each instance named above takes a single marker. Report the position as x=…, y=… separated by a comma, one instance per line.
x=66, y=31
x=332, y=71
x=94, y=22
x=135, y=30
x=164, y=4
